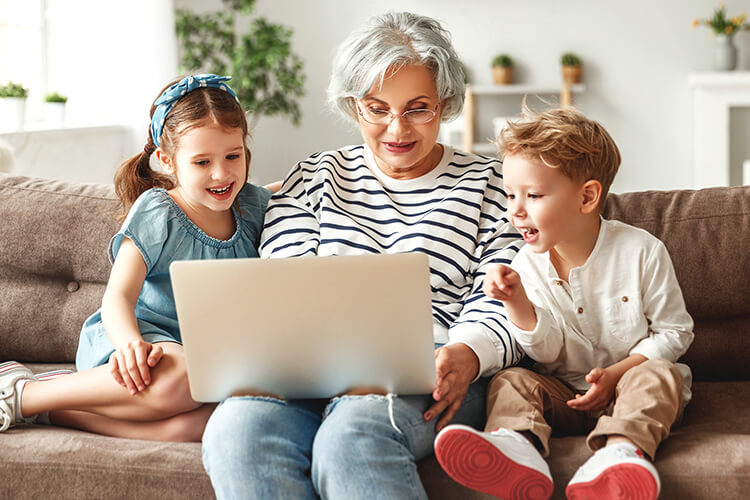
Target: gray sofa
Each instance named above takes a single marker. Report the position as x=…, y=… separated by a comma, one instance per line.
x=53, y=269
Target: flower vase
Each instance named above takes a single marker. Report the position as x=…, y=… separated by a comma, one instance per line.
x=725, y=53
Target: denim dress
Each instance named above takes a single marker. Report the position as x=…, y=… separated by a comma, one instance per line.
x=163, y=234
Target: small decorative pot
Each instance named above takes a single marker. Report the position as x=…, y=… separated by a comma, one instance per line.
x=12, y=113
x=54, y=113
x=725, y=53
x=572, y=74
x=502, y=75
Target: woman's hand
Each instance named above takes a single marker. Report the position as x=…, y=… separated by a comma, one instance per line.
x=457, y=366
x=130, y=365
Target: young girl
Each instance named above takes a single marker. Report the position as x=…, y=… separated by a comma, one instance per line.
x=131, y=379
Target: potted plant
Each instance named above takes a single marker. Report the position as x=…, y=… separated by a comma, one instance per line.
x=266, y=75
x=502, y=69
x=724, y=28
x=572, y=68
x=54, y=108
x=12, y=106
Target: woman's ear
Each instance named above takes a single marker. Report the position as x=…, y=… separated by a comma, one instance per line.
x=165, y=161
x=591, y=192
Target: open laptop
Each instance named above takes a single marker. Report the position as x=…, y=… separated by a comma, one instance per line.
x=309, y=327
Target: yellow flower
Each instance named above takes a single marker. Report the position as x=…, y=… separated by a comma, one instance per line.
x=696, y=23
x=729, y=30
x=741, y=19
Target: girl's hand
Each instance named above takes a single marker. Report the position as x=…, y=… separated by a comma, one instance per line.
x=130, y=365
x=501, y=282
x=600, y=394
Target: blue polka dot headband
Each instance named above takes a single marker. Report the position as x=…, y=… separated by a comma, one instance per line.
x=169, y=97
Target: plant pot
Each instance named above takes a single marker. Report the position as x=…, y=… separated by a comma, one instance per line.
x=725, y=53
x=54, y=113
x=572, y=74
x=502, y=75
x=12, y=113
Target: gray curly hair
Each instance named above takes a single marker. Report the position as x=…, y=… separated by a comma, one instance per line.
x=388, y=42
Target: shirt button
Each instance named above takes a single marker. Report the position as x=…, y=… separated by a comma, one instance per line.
x=580, y=310
x=73, y=286
x=624, y=298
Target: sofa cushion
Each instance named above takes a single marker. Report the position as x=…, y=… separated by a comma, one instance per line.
x=707, y=234
x=53, y=263
x=708, y=456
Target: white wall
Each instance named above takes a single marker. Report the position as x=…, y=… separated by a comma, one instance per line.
x=111, y=59
x=637, y=57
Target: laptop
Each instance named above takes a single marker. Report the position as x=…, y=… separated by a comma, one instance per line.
x=309, y=327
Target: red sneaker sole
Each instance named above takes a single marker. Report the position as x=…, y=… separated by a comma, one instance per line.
x=619, y=482
x=475, y=463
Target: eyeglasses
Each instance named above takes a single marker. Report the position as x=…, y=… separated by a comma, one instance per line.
x=380, y=116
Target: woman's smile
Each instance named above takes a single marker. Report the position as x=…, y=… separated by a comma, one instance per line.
x=399, y=147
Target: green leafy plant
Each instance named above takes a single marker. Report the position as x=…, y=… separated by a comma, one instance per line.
x=502, y=60
x=723, y=25
x=266, y=75
x=55, y=97
x=13, y=90
x=570, y=59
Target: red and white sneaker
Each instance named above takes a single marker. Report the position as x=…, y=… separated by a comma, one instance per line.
x=502, y=463
x=617, y=472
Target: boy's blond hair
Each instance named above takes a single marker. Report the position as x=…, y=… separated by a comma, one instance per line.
x=564, y=138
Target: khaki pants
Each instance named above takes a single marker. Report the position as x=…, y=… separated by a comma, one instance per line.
x=648, y=401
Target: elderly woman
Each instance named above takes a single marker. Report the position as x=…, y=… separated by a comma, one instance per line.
x=400, y=191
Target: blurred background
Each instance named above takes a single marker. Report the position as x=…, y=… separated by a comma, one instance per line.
x=650, y=77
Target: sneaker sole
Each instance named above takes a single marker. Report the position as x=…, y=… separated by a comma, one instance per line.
x=619, y=482
x=473, y=462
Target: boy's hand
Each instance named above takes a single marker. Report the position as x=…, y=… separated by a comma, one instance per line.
x=130, y=365
x=600, y=394
x=501, y=282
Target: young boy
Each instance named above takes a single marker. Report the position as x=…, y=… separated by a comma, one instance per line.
x=597, y=306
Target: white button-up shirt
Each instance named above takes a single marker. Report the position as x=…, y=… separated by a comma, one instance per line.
x=624, y=300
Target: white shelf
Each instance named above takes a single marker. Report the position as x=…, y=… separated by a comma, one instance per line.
x=719, y=79
x=522, y=88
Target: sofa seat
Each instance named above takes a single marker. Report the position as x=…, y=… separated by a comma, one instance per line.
x=707, y=446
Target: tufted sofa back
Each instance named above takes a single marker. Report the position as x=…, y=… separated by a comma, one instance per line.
x=53, y=264
x=54, y=267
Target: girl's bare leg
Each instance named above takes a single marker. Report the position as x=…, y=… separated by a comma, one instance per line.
x=95, y=391
x=183, y=427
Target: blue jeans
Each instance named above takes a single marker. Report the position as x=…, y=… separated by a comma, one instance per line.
x=264, y=448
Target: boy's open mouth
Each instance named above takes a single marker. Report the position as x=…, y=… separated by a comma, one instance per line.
x=529, y=233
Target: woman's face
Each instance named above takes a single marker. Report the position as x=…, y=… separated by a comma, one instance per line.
x=402, y=149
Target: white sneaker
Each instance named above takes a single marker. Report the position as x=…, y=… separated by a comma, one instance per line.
x=10, y=373
x=502, y=463
x=618, y=471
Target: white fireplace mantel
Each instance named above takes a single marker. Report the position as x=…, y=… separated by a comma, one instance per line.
x=714, y=94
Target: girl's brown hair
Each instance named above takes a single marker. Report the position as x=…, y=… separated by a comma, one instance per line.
x=564, y=138
x=136, y=176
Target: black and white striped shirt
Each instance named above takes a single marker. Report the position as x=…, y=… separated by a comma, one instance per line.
x=340, y=203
